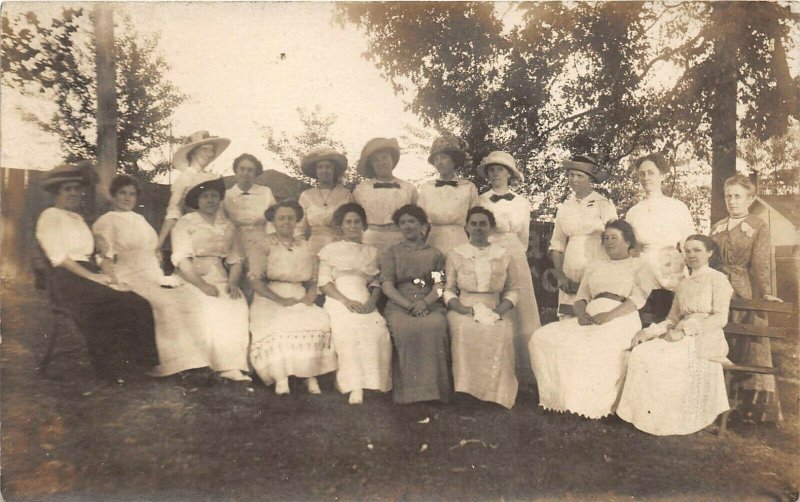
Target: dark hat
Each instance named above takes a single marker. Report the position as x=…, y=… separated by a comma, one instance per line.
x=82, y=172
x=455, y=147
x=215, y=183
x=586, y=164
x=374, y=145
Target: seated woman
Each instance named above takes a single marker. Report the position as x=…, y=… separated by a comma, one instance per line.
x=411, y=274
x=580, y=363
x=291, y=335
x=118, y=325
x=201, y=240
x=481, y=289
x=675, y=383
x=126, y=243
x=347, y=276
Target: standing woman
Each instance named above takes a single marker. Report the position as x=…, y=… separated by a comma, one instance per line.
x=412, y=274
x=745, y=253
x=579, y=224
x=382, y=194
x=513, y=215
x=348, y=277
x=126, y=242
x=447, y=199
x=481, y=290
x=661, y=224
x=202, y=243
x=245, y=202
x=118, y=325
x=327, y=166
x=291, y=335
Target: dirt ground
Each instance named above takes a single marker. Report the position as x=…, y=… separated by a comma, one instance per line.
x=66, y=437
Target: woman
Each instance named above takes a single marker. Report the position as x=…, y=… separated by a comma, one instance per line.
x=513, y=215
x=126, y=242
x=447, y=199
x=411, y=274
x=745, y=251
x=481, y=291
x=675, y=383
x=194, y=160
x=291, y=335
x=661, y=224
x=118, y=325
x=348, y=271
x=327, y=166
x=245, y=202
x=579, y=224
x=580, y=363
x=382, y=194
x=201, y=242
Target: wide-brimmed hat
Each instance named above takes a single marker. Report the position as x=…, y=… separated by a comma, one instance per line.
x=308, y=164
x=374, y=145
x=501, y=159
x=587, y=164
x=82, y=172
x=181, y=161
x=455, y=147
x=211, y=182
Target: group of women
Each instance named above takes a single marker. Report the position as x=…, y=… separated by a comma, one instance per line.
x=420, y=292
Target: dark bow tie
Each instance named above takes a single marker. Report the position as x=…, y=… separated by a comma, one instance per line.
x=386, y=185
x=495, y=197
x=442, y=183
x=245, y=193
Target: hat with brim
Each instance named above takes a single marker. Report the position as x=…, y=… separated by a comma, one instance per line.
x=452, y=146
x=308, y=164
x=587, y=165
x=500, y=159
x=181, y=158
x=82, y=172
x=375, y=145
x=212, y=183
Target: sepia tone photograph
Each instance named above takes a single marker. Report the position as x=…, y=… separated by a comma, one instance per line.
x=400, y=251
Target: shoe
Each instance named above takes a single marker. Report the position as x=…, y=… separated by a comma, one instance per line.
x=282, y=387
x=356, y=397
x=313, y=386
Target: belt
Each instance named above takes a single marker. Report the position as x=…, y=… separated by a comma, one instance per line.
x=611, y=296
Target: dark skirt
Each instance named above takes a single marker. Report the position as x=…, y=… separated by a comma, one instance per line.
x=118, y=326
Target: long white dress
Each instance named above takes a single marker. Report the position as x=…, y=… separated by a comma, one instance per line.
x=446, y=207
x=318, y=207
x=678, y=387
x=513, y=219
x=287, y=341
x=581, y=368
x=224, y=319
x=380, y=201
x=127, y=238
x=361, y=341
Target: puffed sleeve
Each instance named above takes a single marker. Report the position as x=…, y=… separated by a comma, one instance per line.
x=474, y=198
x=325, y=274
x=608, y=211
x=511, y=285
x=104, y=236
x=721, y=293
x=643, y=283
x=450, y=277
x=687, y=224
x=760, y=269
x=558, y=241
x=48, y=233
x=258, y=260
x=182, y=246
x=525, y=228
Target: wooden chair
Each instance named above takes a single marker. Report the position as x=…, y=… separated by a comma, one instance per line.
x=750, y=330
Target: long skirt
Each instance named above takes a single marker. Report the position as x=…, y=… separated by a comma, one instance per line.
x=361, y=341
x=289, y=341
x=446, y=237
x=581, y=369
x=671, y=388
x=118, y=326
x=483, y=356
x=420, y=363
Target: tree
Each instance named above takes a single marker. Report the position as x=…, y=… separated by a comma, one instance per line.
x=55, y=60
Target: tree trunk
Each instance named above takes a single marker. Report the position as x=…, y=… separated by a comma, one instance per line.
x=106, y=102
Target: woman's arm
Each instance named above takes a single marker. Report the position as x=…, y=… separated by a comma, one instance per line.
x=72, y=266
x=620, y=310
x=451, y=286
x=393, y=294
x=189, y=274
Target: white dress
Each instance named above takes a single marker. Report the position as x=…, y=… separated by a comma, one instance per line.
x=661, y=224
x=287, y=341
x=361, y=341
x=246, y=211
x=318, y=207
x=447, y=207
x=127, y=238
x=513, y=219
x=380, y=204
x=581, y=368
x=224, y=319
x=578, y=234
x=678, y=387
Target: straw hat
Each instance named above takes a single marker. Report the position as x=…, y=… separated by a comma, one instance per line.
x=211, y=182
x=180, y=159
x=455, y=147
x=586, y=164
x=376, y=144
x=501, y=159
x=82, y=172
x=308, y=164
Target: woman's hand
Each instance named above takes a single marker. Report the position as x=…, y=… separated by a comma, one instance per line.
x=563, y=282
x=771, y=298
x=209, y=289
x=103, y=279
x=288, y=302
x=353, y=306
x=418, y=307
x=308, y=299
x=585, y=319
x=641, y=337
x=674, y=335
x=368, y=307
x=602, y=318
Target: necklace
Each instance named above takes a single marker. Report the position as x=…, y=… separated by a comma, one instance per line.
x=287, y=245
x=325, y=199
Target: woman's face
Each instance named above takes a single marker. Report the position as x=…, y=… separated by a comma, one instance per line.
x=498, y=175
x=411, y=228
x=738, y=200
x=614, y=244
x=695, y=254
x=649, y=176
x=208, y=202
x=246, y=173
x=478, y=228
x=382, y=163
x=285, y=221
x=69, y=196
x=202, y=154
x=326, y=171
x=125, y=198
x=579, y=181
x=445, y=165
x=352, y=227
